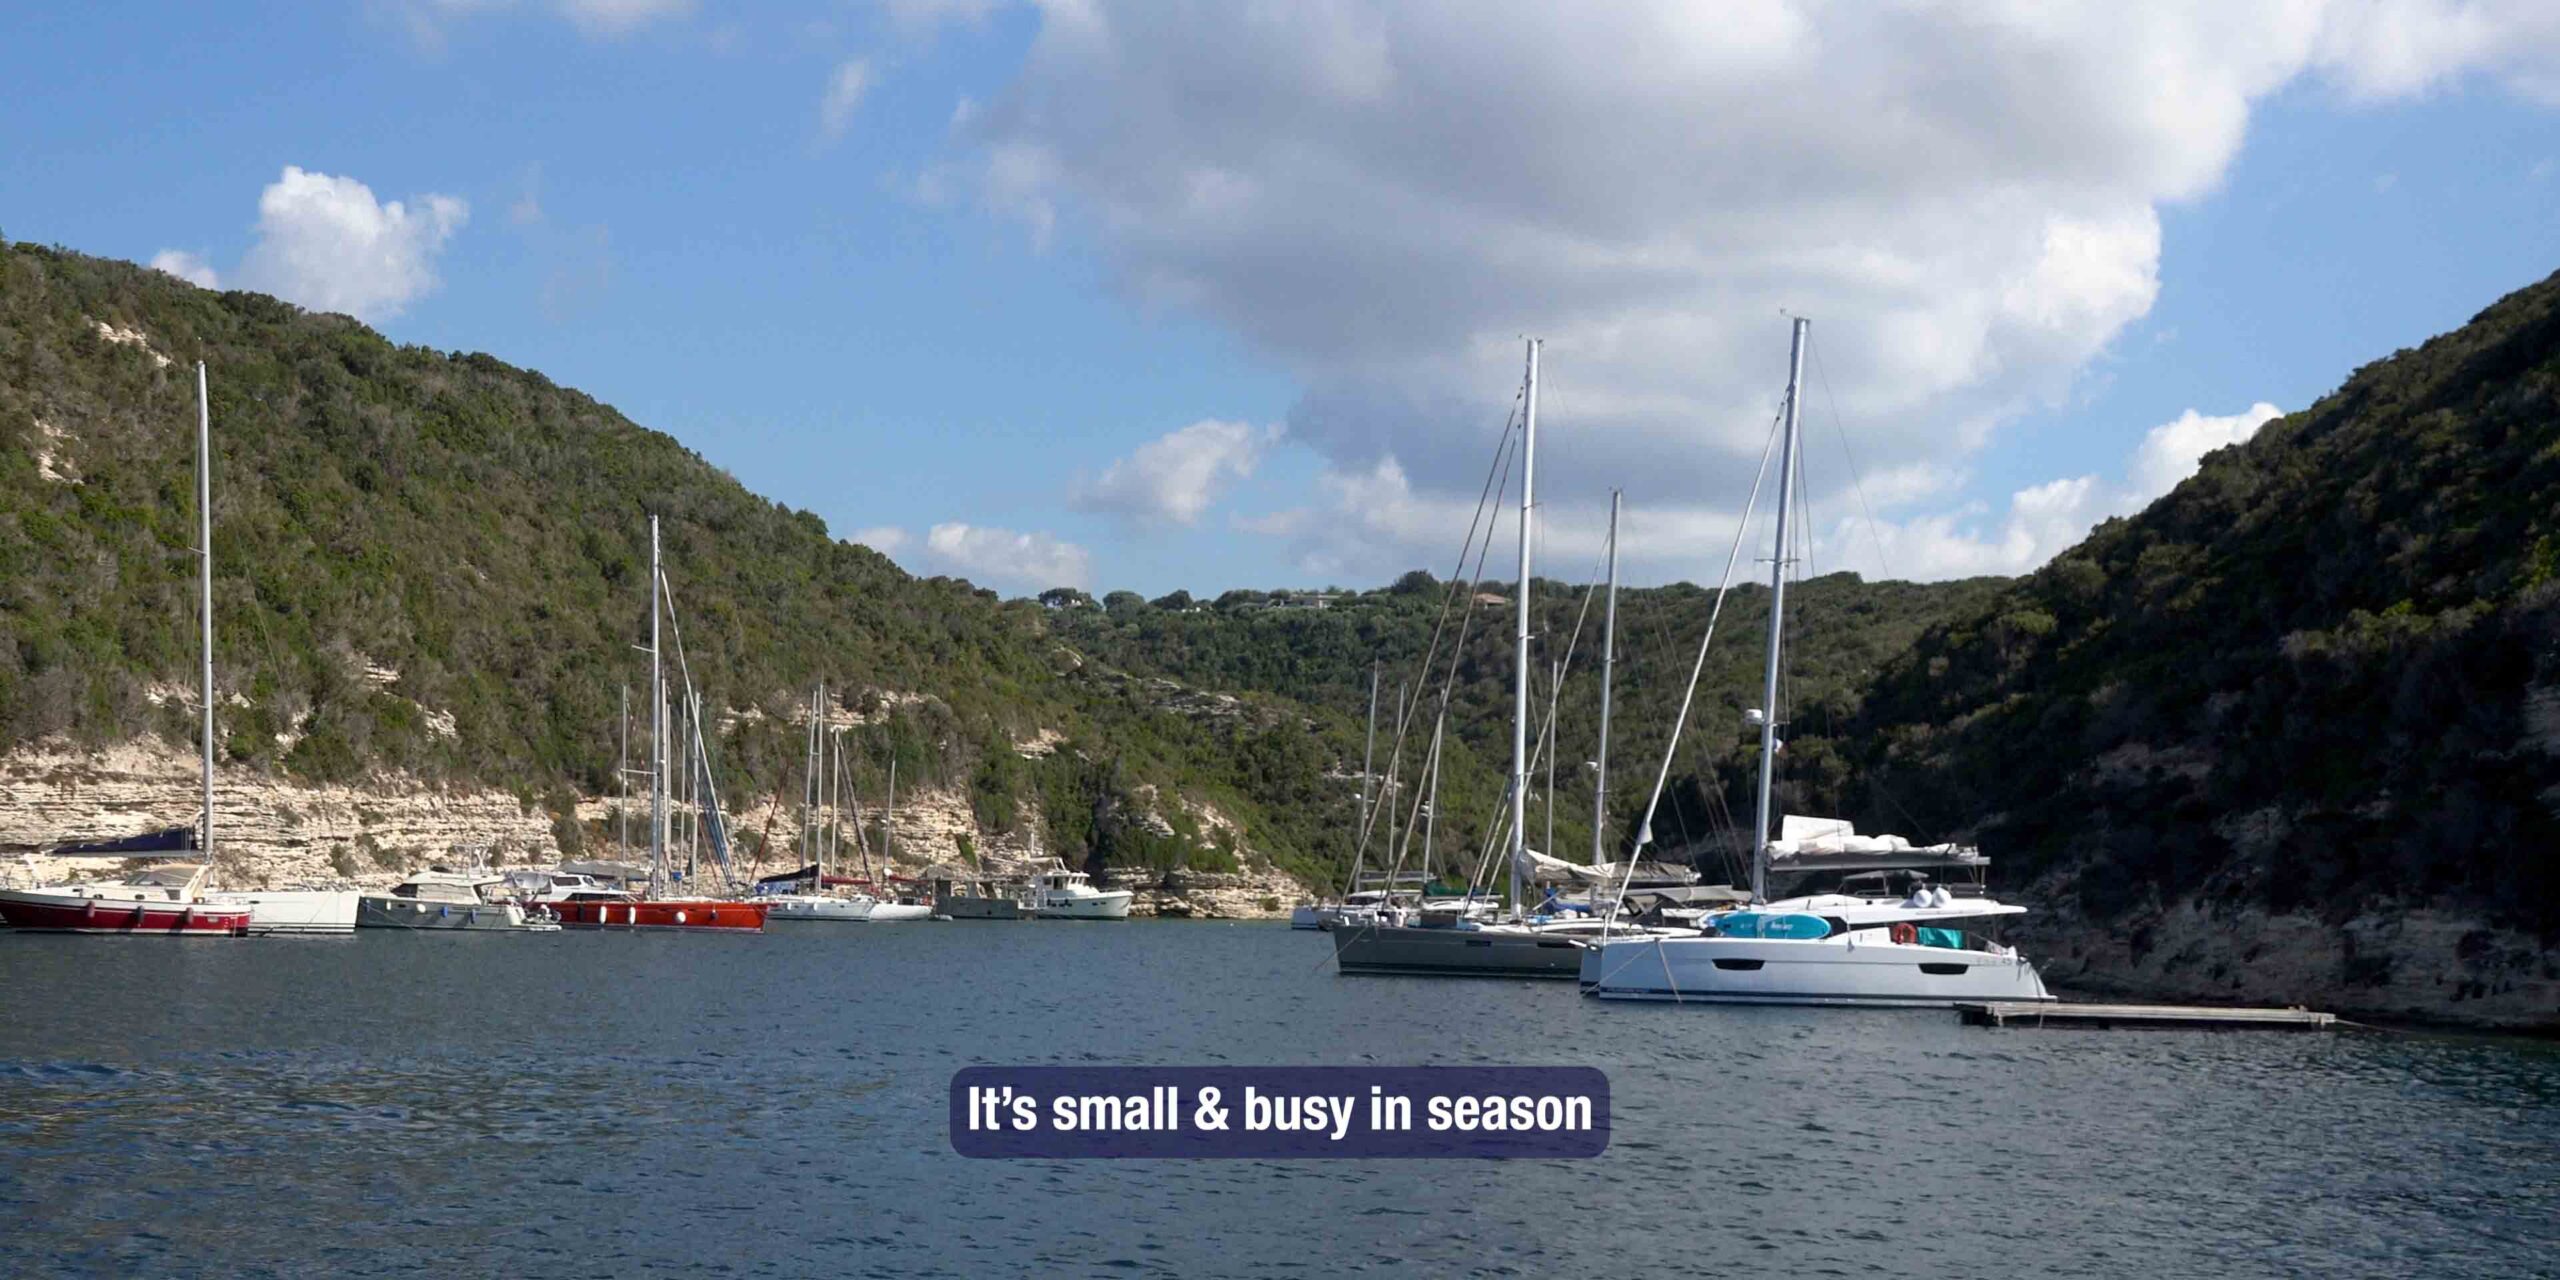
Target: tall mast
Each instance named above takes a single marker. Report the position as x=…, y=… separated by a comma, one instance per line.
x=657, y=724
x=697, y=772
x=1520, y=635
x=1368, y=757
x=1608, y=659
x=889, y=830
x=1777, y=618
x=204, y=550
x=622, y=779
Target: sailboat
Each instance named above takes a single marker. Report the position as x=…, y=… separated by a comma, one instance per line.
x=890, y=910
x=580, y=901
x=1854, y=946
x=171, y=900
x=807, y=898
x=1520, y=947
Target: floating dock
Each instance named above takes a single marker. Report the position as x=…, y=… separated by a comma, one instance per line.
x=2142, y=1016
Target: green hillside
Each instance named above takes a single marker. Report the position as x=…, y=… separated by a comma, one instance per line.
x=2321, y=675
x=404, y=534
x=1848, y=631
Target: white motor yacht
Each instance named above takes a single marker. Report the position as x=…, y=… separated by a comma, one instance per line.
x=444, y=899
x=1060, y=894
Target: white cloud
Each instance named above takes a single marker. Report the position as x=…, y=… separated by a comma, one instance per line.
x=2045, y=520
x=1034, y=561
x=186, y=266
x=919, y=18
x=526, y=209
x=324, y=242
x=620, y=17
x=1967, y=198
x=845, y=90
x=887, y=539
x=2402, y=47
x=2172, y=451
x=1175, y=477
x=427, y=21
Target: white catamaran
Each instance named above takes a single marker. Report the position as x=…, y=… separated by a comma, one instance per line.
x=1839, y=948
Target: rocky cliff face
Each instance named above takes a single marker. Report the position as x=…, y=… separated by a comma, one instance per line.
x=2422, y=964
x=273, y=831
x=267, y=831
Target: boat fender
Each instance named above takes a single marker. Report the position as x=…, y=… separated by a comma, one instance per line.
x=1905, y=933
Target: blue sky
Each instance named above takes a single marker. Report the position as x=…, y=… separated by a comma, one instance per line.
x=1207, y=297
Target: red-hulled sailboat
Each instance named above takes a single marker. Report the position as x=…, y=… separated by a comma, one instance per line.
x=165, y=900
x=584, y=901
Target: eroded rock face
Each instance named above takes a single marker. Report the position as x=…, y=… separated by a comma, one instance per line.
x=268, y=831
x=2425, y=965
x=273, y=831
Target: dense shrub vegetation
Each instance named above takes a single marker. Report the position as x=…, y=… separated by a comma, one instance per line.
x=403, y=534
x=2323, y=671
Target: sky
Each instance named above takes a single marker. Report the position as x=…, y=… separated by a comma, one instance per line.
x=1166, y=295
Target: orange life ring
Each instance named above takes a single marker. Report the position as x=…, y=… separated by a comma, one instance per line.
x=1905, y=933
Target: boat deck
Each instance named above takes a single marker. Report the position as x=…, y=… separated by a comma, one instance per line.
x=2142, y=1016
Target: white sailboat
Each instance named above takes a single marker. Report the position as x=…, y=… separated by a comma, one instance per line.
x=1462, y=946
x=885, y=910
x=813, y=903
x=1825, y=949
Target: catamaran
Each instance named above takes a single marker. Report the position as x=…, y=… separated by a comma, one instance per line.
x=1836, y=948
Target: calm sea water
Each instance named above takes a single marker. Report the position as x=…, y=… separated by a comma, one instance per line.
x=614, y=1105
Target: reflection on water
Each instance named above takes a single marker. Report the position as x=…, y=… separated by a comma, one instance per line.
x=583, y=1104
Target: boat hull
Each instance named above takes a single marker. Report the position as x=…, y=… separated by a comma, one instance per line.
x=1306, y=917
x=973, y=907
x=696, y=915
x=1113, y=905
x=34, y=911
x=1453, y=953
x=835, y=910
x=899, y=912
x=275, y=912
x=1825, y=971
x=378, y=911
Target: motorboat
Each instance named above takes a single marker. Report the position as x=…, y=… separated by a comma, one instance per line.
x=445, y=899
x=1058, y=893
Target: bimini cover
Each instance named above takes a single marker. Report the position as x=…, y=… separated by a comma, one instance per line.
x=1793, y=926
